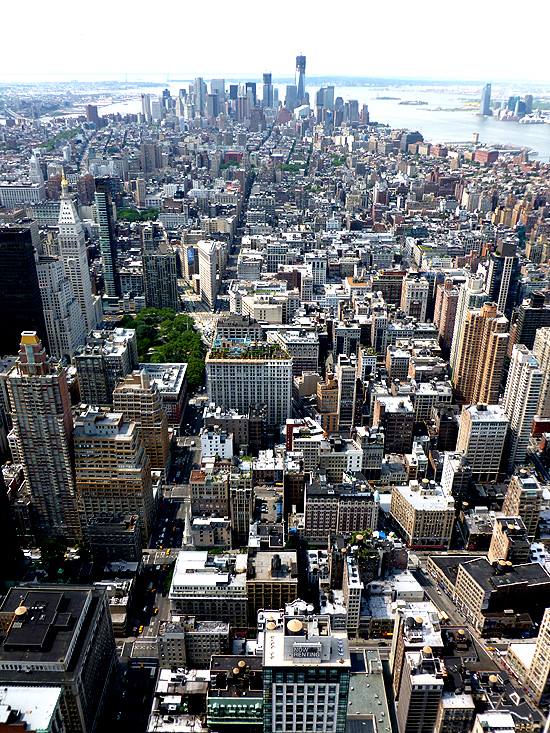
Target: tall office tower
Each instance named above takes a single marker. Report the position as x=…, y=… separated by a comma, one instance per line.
x=199, y=92
x=481, y=354
x=304, y=649
x=72, y=251
x=217, y=86
x=267, y=92
x=456, y=477
x=107, y=241
x=301, y=78
x=146, y=107
x=539, y=670
x=291, y=97
x=20, y=301
x=485, y=104
x=42, y=427
x=140, y=401
x=482, y=437
x=541, y=351
x=524, y=499
x=207, y=273
x=211, y=107
x=250, y=92
x=521, y=397
x=472, y=295
x=503, y=276
x=64, y=320
x=156, y=109
x=420, y=692
x=346, y=376
x=113, y=470
x=62, y=637
x=160, y=277
x=35, y=171
x=531, y=315
x=107, y=357
x=257, y=375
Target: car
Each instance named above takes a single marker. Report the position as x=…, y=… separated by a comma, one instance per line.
x=168, y=551
x=155, y=610
x=154, y=591
x=135, y=630
x=140, y=630
x=491, y=649
x=157, y=568
x=178, y=474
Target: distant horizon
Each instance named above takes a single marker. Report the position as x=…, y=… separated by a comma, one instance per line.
x=187, y=77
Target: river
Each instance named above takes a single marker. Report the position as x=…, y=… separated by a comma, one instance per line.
x=442, y=120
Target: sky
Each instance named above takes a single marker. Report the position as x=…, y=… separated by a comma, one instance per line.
x=475, y=40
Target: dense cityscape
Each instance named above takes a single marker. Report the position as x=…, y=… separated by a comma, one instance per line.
x=274, y=413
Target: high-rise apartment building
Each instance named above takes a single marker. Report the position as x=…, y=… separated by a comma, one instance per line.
x=140, y=401
x=160, y=278
x=72, y=251
x=20, y=301
x=241, y=376
x=107, y=357
x=64, y=320
x=524, y=499
x=481, y=353
x=107, y=241
x=521, y=397
x=541, y=351
x=445, y=312
x=471, y=295
x=207, y=273
x=60, y=636
x=301, y=78
x=306, y=676
x=41, y=438
x=481, y=437
x=113, y=470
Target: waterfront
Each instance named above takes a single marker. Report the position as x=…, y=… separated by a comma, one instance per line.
x=444, y=119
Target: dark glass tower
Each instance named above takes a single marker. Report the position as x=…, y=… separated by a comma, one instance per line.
x=107, y=242
x=301, y=77
x=20, y=301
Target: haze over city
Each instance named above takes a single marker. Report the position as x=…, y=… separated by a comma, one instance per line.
x=469, y=41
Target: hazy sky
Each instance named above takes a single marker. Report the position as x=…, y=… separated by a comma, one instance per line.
x=474, y=39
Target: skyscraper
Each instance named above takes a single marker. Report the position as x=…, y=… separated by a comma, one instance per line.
x=521, y=397
x=291, y=97
x=107, y=242
x=267, y=92
x=471, y=295
x=140, y=401
x=20, y=301
x=420, y=692
x=541, y=351
x=485, y=104
x=503, y=276
x=539, y=670
x=72, y=250
x=160, y=277
x=62, y=314
x=481, y=354
x=301, y=77
x=524, y=499
x=113, y=470
x=41, y=437
x=207, y=273
x=146, y=106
